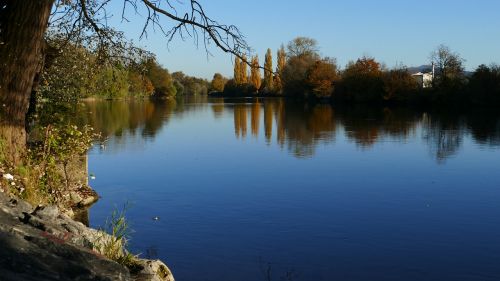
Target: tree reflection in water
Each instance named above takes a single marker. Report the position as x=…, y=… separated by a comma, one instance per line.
x=300, y=127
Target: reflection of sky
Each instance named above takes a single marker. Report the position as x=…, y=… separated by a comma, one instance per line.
x=389, y=209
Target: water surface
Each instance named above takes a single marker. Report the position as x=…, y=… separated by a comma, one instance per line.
x=274, y=190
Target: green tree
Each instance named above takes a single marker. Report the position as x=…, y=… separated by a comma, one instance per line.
x=255, y=75
x=112, y=82
x=69, y=73
x=268, y=71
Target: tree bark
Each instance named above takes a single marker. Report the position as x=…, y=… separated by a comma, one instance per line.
x=22, y=28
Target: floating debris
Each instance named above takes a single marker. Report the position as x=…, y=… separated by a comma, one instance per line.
x=156, y=218
x=92, y=176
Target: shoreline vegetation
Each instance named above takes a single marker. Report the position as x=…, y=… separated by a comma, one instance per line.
x=303, y=74
x=75, y=73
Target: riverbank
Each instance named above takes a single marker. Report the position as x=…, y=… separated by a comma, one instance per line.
x=42, y=243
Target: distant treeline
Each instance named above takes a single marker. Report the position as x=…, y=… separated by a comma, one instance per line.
x=73, y=71
x=301, y=72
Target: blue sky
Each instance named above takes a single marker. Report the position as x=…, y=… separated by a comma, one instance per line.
x=389, y=30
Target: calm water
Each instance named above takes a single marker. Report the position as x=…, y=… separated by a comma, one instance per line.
x=272, y=190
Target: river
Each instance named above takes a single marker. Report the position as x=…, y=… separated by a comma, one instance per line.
x=270, y=189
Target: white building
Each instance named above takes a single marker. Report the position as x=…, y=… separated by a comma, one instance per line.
x=424, y=80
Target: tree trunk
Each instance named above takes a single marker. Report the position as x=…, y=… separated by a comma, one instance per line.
x=22, y=28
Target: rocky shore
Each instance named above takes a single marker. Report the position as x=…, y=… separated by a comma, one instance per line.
x=41, y=243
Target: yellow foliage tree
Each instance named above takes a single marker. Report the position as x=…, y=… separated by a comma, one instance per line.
x=268, y=71
x=280, y=67
x=237, y=70
x=243, y=70
x=255, y=77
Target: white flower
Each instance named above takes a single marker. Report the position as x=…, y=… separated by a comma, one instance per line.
x=8, y=177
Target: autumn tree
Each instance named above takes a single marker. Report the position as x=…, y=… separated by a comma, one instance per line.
x=244, y=70
x=237, y=71
x=140, y=85
x=320, y=77
x=281, y=62
x=218, y=82
x=362, y=81
x=255, y=75
x=268, y=71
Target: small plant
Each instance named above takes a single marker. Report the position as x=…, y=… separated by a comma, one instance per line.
x=113, y=240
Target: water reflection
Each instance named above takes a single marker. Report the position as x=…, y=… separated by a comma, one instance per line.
x=300, y=127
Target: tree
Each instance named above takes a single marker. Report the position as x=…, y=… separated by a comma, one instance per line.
x=448, y=63
x=484, y=85
x=161, y=79
x=218, y=83
x=320, y=77
x=268, y=71
x=243, y=70
x=237, y=71
x=302, y=46
x=295, y=75
x=281, y=62
x=398, y=84
x=190, y=85
x=255, y=77
x=302, y=55
x=362, y=81
x=22, y=29
x=140, y=85
x=363, y=66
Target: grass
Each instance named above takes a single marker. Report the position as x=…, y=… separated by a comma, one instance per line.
x=113, y=241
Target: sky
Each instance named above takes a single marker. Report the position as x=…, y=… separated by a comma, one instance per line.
x=392, y=31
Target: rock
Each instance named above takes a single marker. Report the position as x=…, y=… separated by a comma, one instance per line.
x=88, y=201
x=75, y=198
x=21, y=205
x=46, y=212
x=154, y=270
x=45, y=244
